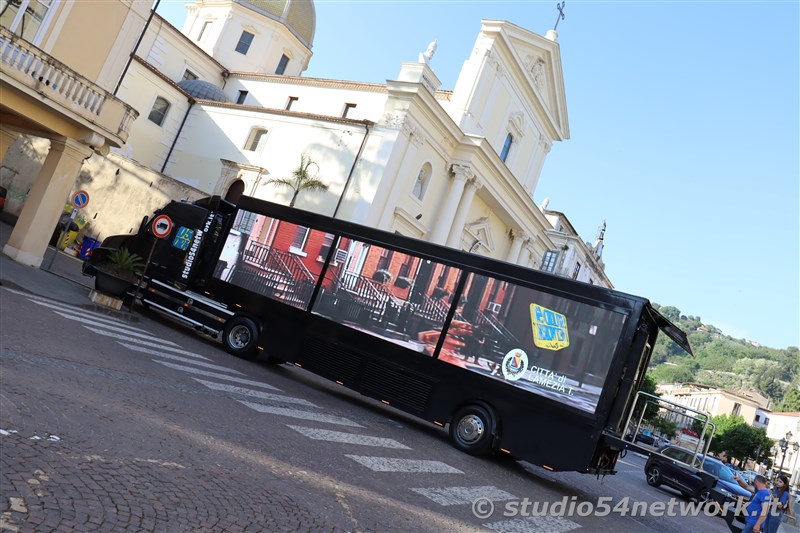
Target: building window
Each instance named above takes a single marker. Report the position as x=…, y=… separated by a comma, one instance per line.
x=423, y=178
x=244, y=42
x=256, y=140
x=576, y=271
x=189, y=75
x=549, y=261
x=159, y=111
x=737, y=409
x=758, y=418
x=202, y=33
x=347, y=109
x=299, y=241
x=290, y=103
x=282, y=64
x=506, y=147
x=245, y=220
x=242, y=97
x=26, y=18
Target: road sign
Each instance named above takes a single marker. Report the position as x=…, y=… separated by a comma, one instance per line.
x=162, y=226
x=80, y=199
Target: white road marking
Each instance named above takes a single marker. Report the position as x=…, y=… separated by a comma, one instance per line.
x=349, y=438
x=462, y=495
x=120, y=330
x=550, y=524
x=225, y=377
x=60, y=306
x=302, y=415
x=180, y=359
x=391, y=464
x=255, y=393
x=73, y=315
x=171, y=347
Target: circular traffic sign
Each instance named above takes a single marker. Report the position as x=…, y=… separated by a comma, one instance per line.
x=80, y=199
x=162, y=226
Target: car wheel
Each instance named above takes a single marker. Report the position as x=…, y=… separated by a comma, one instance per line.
x=471, y=430
x=240, y=337
x=704, y=497
x=654, y=476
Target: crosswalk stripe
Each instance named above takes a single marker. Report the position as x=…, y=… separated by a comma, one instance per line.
x=192, y=370
x=171, y=347
x=303, y=415
x=349, y=438
x=392, y=464
x=552, y=524
x=72, y=315
x=125, y=331
x=53, y=304
x=462, y=495
x=255, y=393
x=178, y=358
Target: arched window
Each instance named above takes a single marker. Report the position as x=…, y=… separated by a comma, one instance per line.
x=506, y=147
x=159, y=111
x=423, y=178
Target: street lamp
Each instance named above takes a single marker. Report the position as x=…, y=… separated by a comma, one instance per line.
x=783, y=444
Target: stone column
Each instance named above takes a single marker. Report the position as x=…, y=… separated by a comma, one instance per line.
x=444, y=223
x=45, y=203
x=516, y=245
x=7, y=137
x=454, y=239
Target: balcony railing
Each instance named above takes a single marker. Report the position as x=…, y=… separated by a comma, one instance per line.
x=75, y=94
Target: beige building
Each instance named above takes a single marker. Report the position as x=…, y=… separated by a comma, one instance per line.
x=57, y=86
x=715, y=401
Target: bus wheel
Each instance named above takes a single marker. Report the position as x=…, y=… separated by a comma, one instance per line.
x=471, y=430
x=240, y=337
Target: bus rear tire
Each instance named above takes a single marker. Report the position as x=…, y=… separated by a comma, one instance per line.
x=471, y=430
x=240, y=337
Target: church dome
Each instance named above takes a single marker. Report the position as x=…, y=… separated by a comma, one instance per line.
x=297, y=15
x=203, y=90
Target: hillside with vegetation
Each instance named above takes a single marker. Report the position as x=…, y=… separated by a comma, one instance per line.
x=723, y=361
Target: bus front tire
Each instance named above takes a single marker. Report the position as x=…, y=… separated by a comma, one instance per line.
x=471, y=430
x=240, y=337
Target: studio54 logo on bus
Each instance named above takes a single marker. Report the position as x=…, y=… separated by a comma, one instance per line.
x=549, y=328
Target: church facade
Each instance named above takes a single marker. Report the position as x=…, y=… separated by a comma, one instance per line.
x=224, y=109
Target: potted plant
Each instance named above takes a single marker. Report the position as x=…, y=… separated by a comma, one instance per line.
x=116, y=275
x=382, y=276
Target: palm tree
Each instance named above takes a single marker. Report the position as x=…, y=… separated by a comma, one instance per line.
x=303, y=178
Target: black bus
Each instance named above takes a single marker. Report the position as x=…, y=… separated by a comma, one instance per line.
x=509, y=359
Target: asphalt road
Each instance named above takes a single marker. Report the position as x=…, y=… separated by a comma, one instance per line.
x=110, y=424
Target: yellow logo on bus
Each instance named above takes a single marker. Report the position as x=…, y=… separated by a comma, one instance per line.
x=549, y=328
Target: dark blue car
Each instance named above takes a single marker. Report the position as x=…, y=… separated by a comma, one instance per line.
x=670, y=467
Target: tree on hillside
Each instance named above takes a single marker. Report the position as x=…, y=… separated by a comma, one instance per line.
x=304, y=178
x=790, y=402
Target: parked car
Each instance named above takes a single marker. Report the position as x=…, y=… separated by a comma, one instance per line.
x=670, y=467
x=645, y=437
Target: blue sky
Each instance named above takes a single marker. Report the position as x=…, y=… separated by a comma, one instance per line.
x=685, y=135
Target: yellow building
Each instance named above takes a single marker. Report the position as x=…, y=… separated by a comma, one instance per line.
x=56, y=86
x=714, y=400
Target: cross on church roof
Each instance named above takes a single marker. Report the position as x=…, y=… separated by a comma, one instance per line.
x=560, y=16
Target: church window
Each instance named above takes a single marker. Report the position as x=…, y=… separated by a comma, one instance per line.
x=421, y=185
x=159, y=111
x=282, y=64
x=189, y=75
x=506, y=147
x=26, y=18
x=549, y=261
x=576, y=271
x=347, y=109
x=242, y=97
x=244, y=42
x=256, y=140
x=202, y=33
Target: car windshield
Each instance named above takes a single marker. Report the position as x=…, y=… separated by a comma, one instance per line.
x=712, y=467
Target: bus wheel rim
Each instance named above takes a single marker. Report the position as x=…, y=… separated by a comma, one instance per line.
x=470, y=429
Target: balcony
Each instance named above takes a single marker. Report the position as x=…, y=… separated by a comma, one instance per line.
x=37, y=74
